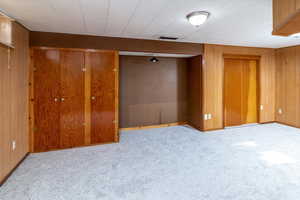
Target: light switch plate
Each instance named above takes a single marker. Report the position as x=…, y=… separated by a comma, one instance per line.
x=205, y=117
x=261, y=107
x=13, y=145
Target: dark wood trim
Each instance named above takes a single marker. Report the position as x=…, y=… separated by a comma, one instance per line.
x=61, y=40
x=286, y=124
x=268, y=122
x=12, y=171
x=154, y=126
x=213, y=129
x=243, y=57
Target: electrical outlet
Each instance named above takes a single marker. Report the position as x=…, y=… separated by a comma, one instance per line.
x=205, y=117
x=14, y=145
x=261, y=107
x=209, y=116
x=280, y=111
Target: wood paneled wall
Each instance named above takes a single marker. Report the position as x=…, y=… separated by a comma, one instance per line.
x=14, y=100
x=213, y=74
x=194, y=89
x=288, y=86
x=152, y=93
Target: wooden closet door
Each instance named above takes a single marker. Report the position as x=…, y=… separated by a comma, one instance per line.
x=233, y=92
x=72, y=98
x=104, y=75
x=46, y=99
x=240, y=91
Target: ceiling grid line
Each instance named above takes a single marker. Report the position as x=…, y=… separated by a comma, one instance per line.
x=107, y=16
x=231, y=23
x=131, y=17
x=83, y=16
x=156, y=14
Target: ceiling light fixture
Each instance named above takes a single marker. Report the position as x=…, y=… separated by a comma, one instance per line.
x=154, y=59
x=198, y=17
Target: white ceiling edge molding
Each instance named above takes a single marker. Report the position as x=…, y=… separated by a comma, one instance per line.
x=131, y=53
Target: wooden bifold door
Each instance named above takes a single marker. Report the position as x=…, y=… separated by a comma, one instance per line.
x=75, y=98
x=240, y=91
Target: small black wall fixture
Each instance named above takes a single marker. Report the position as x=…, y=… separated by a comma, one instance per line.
x=154, y=59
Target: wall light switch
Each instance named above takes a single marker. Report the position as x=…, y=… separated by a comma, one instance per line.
x=205, y=117
x=280, y=111
x=261, y=107
x=13, y=145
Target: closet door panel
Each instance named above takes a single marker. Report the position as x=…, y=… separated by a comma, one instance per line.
x=233, y=92
x=72, y=122
x=103, y=91
x=72, y=73
x=46, y=130
x=72, y=98
x=46, y=99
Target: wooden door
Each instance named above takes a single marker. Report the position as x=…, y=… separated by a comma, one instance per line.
x=72, y=98
x=240, y=92
x=104, y=76
x=46, y=99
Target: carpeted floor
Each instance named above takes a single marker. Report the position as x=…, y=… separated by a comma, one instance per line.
x=177, y=163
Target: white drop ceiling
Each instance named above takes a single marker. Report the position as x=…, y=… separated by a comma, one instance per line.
x=232, y=22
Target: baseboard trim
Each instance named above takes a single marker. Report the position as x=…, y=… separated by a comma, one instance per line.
x=12, y=171
x=153, y=126
x=286, y=124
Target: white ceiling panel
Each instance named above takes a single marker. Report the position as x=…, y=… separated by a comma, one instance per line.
x=120, y=13
x=67, y=14
x=95, y=13
x=145, y=14
x=232, y=22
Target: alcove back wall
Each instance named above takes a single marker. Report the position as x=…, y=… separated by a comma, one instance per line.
x=152, y=93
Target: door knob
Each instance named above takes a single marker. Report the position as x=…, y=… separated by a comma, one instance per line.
x=62, y=99
x=55, y=99
x=93, y=98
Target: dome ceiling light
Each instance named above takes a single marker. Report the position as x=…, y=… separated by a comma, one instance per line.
x=197, y=18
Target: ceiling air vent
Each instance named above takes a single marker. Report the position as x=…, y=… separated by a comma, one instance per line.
x=168, y=38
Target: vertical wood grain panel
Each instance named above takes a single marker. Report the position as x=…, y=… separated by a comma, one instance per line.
x=14, y=100
x=194, y=90
x=213, y=82
x=267, y=86
x=297, y=4
x=103, y=75
x=72, y=99
x=252, y=92
x=19, y=92
x=87, y=99
x=287, y=87
x=5, y=114
x=153, y=93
